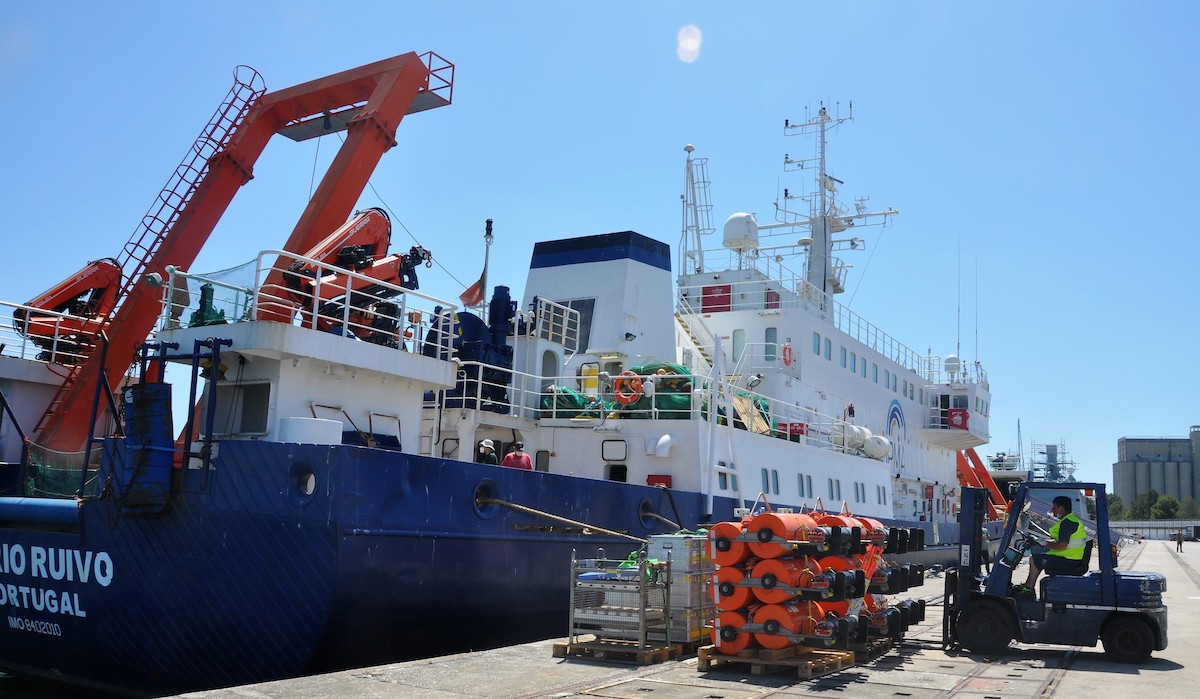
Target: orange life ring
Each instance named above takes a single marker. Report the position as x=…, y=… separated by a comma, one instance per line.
x=627, y=389
x=787, y=355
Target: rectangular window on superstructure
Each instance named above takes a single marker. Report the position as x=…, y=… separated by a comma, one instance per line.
x=905, y=388
x=862, y=367
x=766, y=481
x=875, y=373
x=830, y=488
x=770, y=344
x=739, y=344
x=842, y=356
x=887, y=379
x=853, y=363
x=817, y=343
x=586, y=307
x=800, y=484
x=808, y=482
x=775, y=481
x=838, y=487
x=895, y=383
x=723, y=481
x=828, y=349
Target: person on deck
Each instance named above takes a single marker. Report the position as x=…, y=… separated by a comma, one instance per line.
x=1063, y=551
x=1179, y=541
x=517, y=458
x=487, y=453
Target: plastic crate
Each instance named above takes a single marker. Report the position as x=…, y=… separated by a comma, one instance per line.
x=688, y=552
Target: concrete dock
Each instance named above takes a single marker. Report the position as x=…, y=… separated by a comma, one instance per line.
x=917, y=669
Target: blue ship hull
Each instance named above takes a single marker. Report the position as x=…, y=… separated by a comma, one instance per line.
x=246, y=578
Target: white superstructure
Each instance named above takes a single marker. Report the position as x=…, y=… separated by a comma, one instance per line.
x=815, y=405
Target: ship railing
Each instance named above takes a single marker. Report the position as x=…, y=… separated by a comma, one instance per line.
x=697, y=333
x=590, y=401
x=967, y=373
x=765, y=294
x=556, y=323
x=28, y=332
x=312, y=295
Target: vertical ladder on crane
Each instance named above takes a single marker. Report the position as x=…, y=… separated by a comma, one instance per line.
x=248, y=86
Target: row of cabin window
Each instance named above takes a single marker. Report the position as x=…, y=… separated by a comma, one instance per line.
x=770, y=484
x=850, y=360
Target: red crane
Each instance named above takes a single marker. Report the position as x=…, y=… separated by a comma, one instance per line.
x=367, y=102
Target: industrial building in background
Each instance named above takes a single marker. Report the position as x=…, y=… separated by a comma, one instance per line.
x=1166, y=465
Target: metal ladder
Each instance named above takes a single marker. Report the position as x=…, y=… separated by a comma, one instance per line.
x=248, y=86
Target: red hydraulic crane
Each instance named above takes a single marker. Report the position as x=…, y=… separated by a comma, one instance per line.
x=367, y=102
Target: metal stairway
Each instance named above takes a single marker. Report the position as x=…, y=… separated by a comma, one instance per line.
x=163, y=213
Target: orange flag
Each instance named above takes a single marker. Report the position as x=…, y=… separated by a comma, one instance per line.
x=473, y=296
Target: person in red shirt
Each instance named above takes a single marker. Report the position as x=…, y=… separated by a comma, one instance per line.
x=517, y=458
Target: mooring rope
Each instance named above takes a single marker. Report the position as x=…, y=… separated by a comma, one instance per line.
x=548, y=515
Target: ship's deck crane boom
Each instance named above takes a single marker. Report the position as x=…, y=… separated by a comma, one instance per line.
x=368, y=102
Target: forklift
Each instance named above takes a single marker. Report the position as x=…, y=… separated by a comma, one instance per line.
x=1123, y=610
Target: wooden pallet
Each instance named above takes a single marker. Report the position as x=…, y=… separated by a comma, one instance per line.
x=806, y=662
x=617, y=650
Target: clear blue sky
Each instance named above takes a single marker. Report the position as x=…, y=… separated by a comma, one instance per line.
x=1043, y=156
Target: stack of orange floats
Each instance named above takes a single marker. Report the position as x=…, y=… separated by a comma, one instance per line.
x=809, y=578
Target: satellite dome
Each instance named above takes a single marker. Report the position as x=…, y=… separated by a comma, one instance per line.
x=741, y=232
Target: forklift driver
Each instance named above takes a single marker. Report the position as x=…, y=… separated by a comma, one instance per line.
x=1065, y=549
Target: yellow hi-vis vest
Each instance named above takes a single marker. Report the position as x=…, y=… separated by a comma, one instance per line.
x=1075, y=544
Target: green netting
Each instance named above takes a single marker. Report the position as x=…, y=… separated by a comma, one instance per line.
x=672, y=393
x=51, y=475
x=563, y=401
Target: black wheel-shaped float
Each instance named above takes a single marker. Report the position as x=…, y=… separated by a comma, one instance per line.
x=985, y=626
x=1127, y=639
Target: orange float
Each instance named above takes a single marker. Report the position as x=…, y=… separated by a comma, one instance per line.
x=839, y=563
x=874, y=530
x=770, y=530
x=776, y=573
x=726, y=633
x=725, y=591
x=781, y=620
x=723, y=547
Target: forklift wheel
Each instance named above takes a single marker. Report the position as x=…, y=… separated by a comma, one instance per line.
x=1127, y=639
x=985, y=626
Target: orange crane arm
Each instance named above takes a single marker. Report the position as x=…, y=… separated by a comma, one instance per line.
x=369, y=102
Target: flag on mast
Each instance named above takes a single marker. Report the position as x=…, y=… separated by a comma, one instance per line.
x=475, y=293
x=473, y=296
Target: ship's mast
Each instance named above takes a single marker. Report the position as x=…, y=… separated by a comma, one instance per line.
x=826, y=218
x=697, y=214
